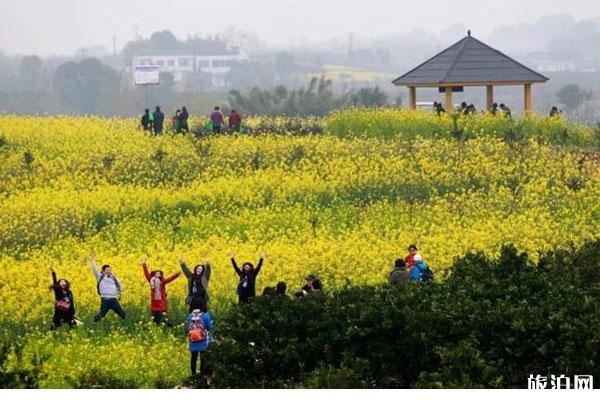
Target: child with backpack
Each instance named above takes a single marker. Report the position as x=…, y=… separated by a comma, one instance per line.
x=64, y=306
x=246, y=289
x=158, y=291
x=420, y=272
x=109, y=289
x=197, y=283
x=198, y=326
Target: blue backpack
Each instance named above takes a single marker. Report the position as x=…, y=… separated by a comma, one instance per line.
x=424, y=273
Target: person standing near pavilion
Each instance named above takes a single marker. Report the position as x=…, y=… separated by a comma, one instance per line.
x=505, y=111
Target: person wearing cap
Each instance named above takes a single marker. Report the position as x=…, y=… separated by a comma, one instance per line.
x=313, y=284
x=399, y=274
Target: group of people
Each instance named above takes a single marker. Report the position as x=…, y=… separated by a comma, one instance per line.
x=410, y=269
x=502, y=109
x=217, y=120
x=154, y=122
x=198, y=323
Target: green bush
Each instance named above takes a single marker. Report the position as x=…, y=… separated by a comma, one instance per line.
x=489, y=324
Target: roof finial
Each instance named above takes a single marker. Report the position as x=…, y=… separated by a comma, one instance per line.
x=469, y=32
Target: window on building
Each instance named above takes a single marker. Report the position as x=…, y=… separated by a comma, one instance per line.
x=204, y=64
x=160, y=63
x=219, y=63
x=171, y=63
x=184, y=62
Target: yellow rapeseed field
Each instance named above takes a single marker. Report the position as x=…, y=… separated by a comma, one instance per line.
x=341, y=207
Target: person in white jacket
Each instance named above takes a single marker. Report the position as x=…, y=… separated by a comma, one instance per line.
x=109, y=289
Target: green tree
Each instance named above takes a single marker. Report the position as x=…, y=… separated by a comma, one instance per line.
x=82, y=86
x=369, y=97
x=572, y=96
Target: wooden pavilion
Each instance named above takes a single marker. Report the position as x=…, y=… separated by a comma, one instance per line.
x=469, y=62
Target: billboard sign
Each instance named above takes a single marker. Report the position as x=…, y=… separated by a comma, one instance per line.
x=146, y=74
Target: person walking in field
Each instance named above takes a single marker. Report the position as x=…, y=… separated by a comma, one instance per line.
x=175, y=122
x=183, y=120
x=399, y=274
x=235, y=121
x=197, y=283
x=109, y=289
x=151, y=122
x=199, y=324
x=494, y=110
x=158, y=292
x=64, y=305
x=505, y=111
x=217, y=120
x=146, y=123
x=246, y=289
x=439, y=109
x=159, y=119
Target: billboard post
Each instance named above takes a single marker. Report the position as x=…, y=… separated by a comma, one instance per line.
x=144, y=75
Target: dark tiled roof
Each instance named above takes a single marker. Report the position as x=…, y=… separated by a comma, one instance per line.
x=469, y=61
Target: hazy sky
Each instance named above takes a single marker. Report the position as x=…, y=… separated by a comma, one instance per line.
x=62, y=26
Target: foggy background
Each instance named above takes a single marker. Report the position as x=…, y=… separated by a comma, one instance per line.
x=68, y=56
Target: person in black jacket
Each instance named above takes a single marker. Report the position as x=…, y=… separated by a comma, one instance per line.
x=146, y=125
x=246, y=289
x=183, y=120
x=197, y=283
x=64, y=306
x=159, y=118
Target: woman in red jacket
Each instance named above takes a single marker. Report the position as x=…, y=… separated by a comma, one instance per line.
x=158, y=292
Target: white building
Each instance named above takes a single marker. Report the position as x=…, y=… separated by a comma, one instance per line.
x=180, y=63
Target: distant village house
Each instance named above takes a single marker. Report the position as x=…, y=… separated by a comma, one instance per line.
x=180, y=62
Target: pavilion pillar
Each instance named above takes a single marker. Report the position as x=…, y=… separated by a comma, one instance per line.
x=412, y=97
x=449, y=102
x=527, y=98
x=490, y=97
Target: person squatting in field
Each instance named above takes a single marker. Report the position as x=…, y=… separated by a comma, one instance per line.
x=158, y=292
x=64, y=306
x=198, y=325
x=313, y=284
x=109, y=289
x=246, y=288
x=197, y=283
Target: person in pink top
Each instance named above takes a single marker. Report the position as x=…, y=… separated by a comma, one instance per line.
x=217, y=120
